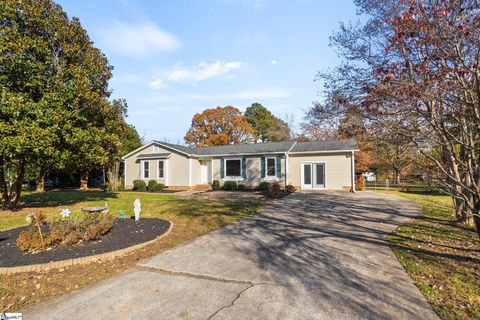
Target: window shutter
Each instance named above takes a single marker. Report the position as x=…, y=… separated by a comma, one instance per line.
x=244, y=167
x=279, y=167
x=222, y=170
x=263, y=167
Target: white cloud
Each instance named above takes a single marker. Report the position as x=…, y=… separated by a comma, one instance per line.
x=139, y=40
x=202, y=71
x=158, y=84
x=274, y=61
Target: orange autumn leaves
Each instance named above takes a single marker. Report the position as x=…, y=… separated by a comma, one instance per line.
x=219, y=126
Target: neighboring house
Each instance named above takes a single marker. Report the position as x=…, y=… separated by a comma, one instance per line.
x=306, y=165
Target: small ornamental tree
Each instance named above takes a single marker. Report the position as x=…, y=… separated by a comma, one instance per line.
x=219, y=126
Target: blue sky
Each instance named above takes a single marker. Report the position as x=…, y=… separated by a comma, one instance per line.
x=173, y=59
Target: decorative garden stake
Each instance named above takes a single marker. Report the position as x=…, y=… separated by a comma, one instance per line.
x=122, y=214
x=137, y=208
x=65, y=213
x=106, y=208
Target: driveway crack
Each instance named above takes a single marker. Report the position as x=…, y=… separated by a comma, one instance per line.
x=197, y=276
x=232, y=303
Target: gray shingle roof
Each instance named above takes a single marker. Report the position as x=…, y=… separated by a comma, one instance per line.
x=267, y=147
x=333, y=145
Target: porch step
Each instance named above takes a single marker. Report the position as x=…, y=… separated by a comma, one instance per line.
x=202, y=187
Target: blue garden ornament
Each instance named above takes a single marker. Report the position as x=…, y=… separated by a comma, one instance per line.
x=122, y=214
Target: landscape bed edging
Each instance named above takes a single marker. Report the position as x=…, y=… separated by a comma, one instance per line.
x=83, y=260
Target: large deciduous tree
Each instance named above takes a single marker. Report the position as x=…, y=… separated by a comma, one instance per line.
x=415, y=63
x=54, y=107
x=219, y=126
x=267, y=126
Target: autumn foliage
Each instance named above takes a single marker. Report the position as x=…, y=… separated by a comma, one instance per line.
x=219, y=126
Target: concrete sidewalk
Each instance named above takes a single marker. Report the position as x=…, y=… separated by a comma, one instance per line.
x=310, y=256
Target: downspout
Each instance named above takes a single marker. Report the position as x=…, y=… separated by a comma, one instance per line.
x=352, y=165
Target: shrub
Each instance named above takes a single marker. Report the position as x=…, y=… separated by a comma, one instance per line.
x=151, y=185
x=290, y=189
x=139, y=185
x=95, y=231
x=106, y=186
x=242, y=187
x=230, y=185
x=158, y=187
x=263, y=186
x=274, y=189
x=216, y=185
x=29, y=240
x=66, y=233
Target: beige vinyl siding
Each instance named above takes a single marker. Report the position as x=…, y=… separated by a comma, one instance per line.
x=338, y=169
x=254, y=171
x=196, y=172
x=176, y=167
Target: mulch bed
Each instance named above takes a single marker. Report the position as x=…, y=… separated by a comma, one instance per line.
x=125, y=233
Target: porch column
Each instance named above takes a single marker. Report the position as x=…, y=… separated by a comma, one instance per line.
x=352, y=165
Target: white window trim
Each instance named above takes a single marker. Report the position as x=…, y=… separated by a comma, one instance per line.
x=267, y=177
x=164, y=169
x=142, y=162
x=225, y=177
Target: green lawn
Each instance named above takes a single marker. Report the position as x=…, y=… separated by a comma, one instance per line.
x=191, y=218
x=441, y=256
x=157, y=205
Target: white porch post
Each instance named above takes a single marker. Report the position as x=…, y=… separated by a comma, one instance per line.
x=189, y=172
x=286, y=169
x=352, y=165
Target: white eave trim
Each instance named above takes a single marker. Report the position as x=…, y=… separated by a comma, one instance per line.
x=324, y=151
x=151, y=143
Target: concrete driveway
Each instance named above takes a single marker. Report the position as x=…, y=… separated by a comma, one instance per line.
x=316, y=255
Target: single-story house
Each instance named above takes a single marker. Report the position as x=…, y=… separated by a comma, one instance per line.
x=306, y=165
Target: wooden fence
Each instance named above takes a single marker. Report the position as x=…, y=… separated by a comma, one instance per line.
x=403, y=185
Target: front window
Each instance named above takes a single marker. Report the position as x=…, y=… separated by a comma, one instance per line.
x=233, y=168
x=161, y=169
x=146, y=169
x=271, y=167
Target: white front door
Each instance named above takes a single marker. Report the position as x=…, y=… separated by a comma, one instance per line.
x=313, y=175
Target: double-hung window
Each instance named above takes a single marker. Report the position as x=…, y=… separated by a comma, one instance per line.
x=233, y=168
x=271, y=168
x=161, y=169
x=145, y=169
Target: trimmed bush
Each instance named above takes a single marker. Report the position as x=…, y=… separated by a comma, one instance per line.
x=230, y=185
x=242, y=187
x=158, y=187
x=263, y=186
x=139, y=185
x=290, y=189
x=274, y=189
x=216, y=185
x=151, y=184
x=106, y=186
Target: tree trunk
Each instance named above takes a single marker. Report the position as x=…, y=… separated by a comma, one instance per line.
x=13, y=198
x=84, y=181
x=41, y=180
x=113, y=175
x=476, y=217
x=3, y=185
